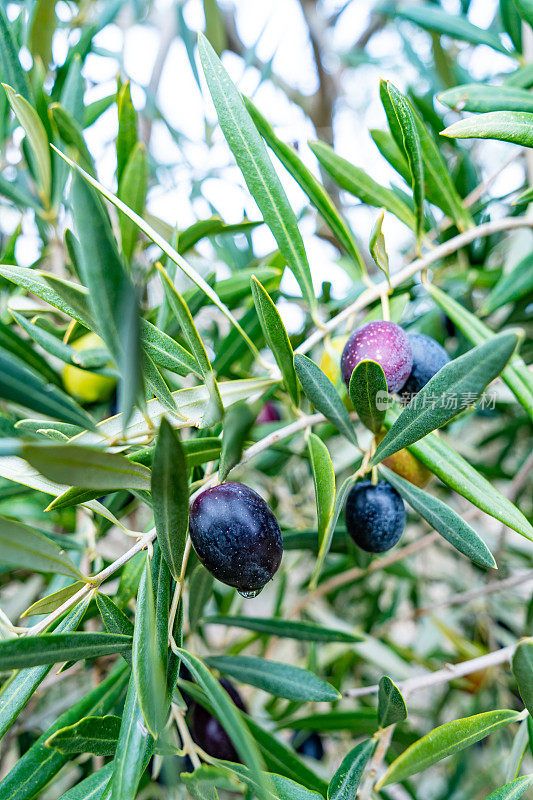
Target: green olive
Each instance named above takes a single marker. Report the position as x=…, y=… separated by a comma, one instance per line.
x=85, y=386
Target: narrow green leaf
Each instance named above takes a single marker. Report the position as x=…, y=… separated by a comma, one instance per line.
x=466, y=376
x=52, y=601
x=42, y=29
x=355, y=181
x=74, y=465
x=282, y=788
x=513, y=790
x=516, y=375
x=445, y=521
x=231, y=720
x=165, y=247
x=132, y=191
x=9, y=57
x=440, y=187
x=525, y=9
x=512, y=286
x=17, y=691
x=115, y=620
x=281, y=680
x=200, y=590
x=91, y=788
x=133, y=750
x=413, y=149
x=522, y=664
x=96, y=735
x=112, y=297
x=52, y=648
x=377, y=247
x=276, y=336
x=310, y=185
x=147, y=665
x=24, y=386
x=444, y=741
x=23, y=547
x=368, y=386
x=127, y=129
x=341, y=493
x=323, y=395
x=215, y=409
x=433, y=18
x=260, y=176
x=282, y=759
x=170, y=496
x=39, y=764
x=391, y=705
x=324, y=482
x=286, y=628
x=71, y=134
x=37, y=137
x=238, y=423
x=507, y=126
x=345, y=781
x=11, y=341
x=481, y=97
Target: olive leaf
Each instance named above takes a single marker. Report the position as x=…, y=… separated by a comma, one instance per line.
x=391, y=705
x=369, y=394
x=468, y=375
x=261, y=178
x=444, y=741
x=276, y=336
x=170, y=496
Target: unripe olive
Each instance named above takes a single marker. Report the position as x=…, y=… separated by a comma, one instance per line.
x=330, y=360
x=83, y=385
x=406, y=465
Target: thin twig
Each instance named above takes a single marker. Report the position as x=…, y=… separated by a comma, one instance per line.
x=442, y=251
x=450, y=673
x=465, y=597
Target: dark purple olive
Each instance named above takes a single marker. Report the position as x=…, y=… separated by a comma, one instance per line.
x=309, y=745
x=375, y=516
x=207, y=731
x=236, y=536
x=269, y=413
x=384, y=342
x=428, y=358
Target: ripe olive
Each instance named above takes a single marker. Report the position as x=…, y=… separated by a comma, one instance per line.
x=428, y=358
x=384, y=342
x=236, y=536
x=207, y=731
x=375, y=516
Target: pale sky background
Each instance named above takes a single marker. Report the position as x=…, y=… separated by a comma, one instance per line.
x=277, y=29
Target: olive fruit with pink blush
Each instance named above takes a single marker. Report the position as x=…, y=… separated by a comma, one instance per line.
x=383, y=342
x=236, y=536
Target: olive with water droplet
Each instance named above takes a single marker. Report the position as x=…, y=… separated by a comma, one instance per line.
x=236, y=537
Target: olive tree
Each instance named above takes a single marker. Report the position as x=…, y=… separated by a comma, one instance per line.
x=275, y=535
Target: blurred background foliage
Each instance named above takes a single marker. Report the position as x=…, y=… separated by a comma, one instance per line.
x=118, y=84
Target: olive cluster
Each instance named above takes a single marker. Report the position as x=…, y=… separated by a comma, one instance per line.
x=234, y=532
x=375, y=513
